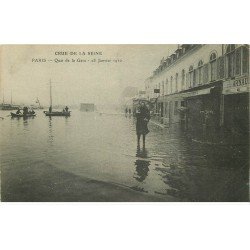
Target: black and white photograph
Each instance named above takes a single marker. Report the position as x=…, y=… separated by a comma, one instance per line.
x=125, y=123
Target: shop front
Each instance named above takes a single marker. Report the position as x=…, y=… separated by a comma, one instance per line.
x=236, y=109
x=168, y=110
x=203, y=113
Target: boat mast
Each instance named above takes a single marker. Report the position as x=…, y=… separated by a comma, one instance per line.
x=3, y=96
x=11, y=97
x=50, y=87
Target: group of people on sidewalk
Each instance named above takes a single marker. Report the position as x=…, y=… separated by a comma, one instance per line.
x=128, y=111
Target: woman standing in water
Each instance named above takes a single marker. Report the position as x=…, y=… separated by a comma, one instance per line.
x=142, y=116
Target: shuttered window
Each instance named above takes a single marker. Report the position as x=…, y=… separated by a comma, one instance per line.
x=230, y=54
x=245, y=60
x=205, y=73
x=187, y=80
x=176, y=82
x=171, y=84
x=166, y=109
x=183, y=79
x=176, y=107
x=238, y=61
x=213, y=66
x=166, y=88
x=220, y=67
x=195, y=82
x=200, y=73
x=191, y=77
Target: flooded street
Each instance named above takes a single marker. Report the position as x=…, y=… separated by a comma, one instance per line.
x=104, y=148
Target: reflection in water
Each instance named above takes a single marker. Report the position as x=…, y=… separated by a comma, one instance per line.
x=141, y=165
x=66, y=119
x=221, y=174
x=51, y=137
x=25, y=122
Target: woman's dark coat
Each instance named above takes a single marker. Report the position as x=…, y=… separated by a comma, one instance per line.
x=143, y=117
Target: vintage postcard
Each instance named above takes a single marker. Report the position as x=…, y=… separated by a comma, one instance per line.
x=124, y=123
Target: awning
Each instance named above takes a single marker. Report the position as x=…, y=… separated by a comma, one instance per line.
x=153, y=100
x=196, y=93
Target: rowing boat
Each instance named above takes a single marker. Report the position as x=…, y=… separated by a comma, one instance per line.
x=14, y=115
x=65, y=112
x=56, y=113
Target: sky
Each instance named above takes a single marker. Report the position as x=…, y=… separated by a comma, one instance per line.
x=93, y=80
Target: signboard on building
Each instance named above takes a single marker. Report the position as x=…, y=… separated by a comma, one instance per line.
x=202, y=92
x=238, y=85
x=206, y=91
x=156, y=90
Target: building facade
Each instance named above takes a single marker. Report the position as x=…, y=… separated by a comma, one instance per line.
x=203, y=89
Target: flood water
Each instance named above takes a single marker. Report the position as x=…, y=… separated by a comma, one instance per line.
x=104, y=147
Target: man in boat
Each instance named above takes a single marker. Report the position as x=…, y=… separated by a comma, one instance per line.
x=18, y=111
x=50, y=109
x=32, y=112
x=25, y=110
x=66, y=109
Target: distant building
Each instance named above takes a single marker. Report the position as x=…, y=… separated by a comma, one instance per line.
x=5, y=106
x=129, y=92
x=87, y=107
x=127, y=96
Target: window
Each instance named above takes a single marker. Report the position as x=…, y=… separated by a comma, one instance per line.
x=200, y=72
x=212, y=61
x=171, y=84
x=220, y=67
x=175, y=107
x=191, y=76
x=245, y=59
x=200, y=63
x=230, y=57
x=194, y=77
x=183, y=78
x=166, y=109
x=167, y=87
x=205, y=73
x=176, y=82
x=238, y=61
x=170, y=111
